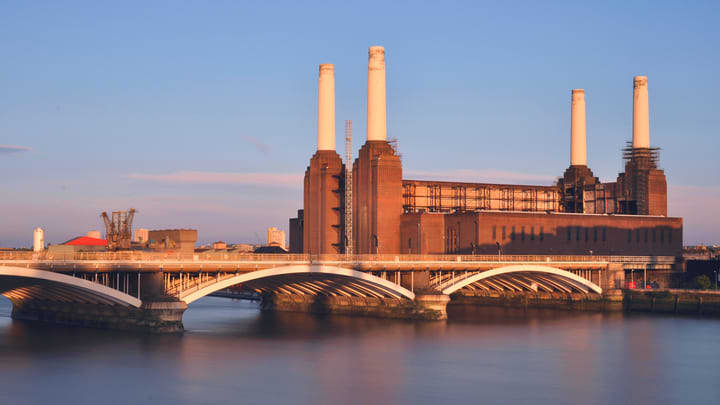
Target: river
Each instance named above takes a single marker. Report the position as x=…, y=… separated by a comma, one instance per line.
x=232, y=353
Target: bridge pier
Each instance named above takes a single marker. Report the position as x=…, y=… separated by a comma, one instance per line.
x=157, y=317
x=429, y=306
x=432, y=306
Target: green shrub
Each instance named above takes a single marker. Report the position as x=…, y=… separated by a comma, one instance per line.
x=702, y=282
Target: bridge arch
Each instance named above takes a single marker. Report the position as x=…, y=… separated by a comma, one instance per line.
x=20, y=283
x=522, y=277
x=311, y=279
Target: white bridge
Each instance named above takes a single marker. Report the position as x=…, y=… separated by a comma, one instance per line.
x=132, y=279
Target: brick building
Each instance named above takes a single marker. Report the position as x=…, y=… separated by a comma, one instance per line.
x=578, y=214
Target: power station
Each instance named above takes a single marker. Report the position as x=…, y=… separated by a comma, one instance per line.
x=387, y=214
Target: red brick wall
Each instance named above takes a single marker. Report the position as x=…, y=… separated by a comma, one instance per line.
x=377, y=199
x=657, y=235
x=323, y=223
x=664, y=235
x=431, y=233
x=657, y=193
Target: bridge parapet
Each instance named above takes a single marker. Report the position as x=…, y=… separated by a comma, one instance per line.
x=147, y=256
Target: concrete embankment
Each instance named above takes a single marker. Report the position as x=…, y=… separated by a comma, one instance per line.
x=158, y=317
x=609, y=301
x=430, y=307
x=693, y=302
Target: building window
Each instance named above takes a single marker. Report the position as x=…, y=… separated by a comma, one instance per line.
x=542, y=234
x=670, y=231
x=522, y=233
x=646, y=235
x=662, y=235
x=532, y=233
x=512, y=233
x=654, y=235
x=587, y=231
x=629, y=235
x=637, y=236
x=569, y=232
x=577, y=234
x=494, y=232
x=595, y=234
x=604, y=234
x=503, y=233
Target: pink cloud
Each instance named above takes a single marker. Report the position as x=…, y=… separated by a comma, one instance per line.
x=13, y=149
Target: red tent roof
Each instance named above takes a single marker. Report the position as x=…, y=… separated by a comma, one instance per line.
x=86, y=241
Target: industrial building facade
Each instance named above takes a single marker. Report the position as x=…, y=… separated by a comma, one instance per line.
x=390, y=215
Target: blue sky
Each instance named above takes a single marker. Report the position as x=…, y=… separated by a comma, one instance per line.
x=203, y=114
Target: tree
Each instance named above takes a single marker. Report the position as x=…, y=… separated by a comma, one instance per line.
x=702, y=282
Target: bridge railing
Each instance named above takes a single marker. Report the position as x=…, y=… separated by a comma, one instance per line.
x=250, y=257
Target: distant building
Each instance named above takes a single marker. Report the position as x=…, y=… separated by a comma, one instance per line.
x=271, y=249
x=80, y=244
x=141, y=236
x=296, y=232
x=276, y=237
x=182, y=240
x=94, y=234
x=242, y=248
x=219, y=245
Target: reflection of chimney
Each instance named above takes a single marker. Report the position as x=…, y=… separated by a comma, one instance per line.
x=376, y=129
x=578, y=142
x=326, y=107
x=641, y=113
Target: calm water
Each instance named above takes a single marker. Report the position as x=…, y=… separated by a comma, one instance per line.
x=232, y=353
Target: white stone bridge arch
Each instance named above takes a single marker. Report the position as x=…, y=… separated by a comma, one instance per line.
x=306, y=279
x=21, y=284
x=525, y=277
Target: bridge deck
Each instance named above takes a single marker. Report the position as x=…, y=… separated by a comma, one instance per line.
x=228, y=262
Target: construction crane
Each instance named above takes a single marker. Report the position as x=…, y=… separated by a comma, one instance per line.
x=118, y=229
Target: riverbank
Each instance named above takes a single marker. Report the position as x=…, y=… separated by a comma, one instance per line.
x=676, y=301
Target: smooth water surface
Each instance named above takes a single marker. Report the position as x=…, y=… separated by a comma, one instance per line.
x=232, y=353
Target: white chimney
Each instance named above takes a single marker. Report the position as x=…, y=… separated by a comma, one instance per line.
x=376, y=114
x=578, y=139
x=326, y=107
x=38, y=240
x=641, y=113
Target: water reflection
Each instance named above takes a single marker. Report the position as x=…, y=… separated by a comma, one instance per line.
x=233, y=351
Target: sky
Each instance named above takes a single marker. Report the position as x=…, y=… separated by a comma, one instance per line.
x=204, y=114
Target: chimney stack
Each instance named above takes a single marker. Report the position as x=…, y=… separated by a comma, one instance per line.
x=578, y=140
x=326, y=107
x=641, y=113
x=376, y=125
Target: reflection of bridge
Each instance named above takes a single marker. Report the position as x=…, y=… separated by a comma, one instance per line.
x=151, y=290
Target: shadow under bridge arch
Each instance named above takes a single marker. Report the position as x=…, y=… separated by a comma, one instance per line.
x=523, y=277
x=20, y=284
x=307, y=280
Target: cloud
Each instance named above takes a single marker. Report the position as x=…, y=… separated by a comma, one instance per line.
x=260, y=145
x=488, y=176
x=284, y=180
x=7, y=149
